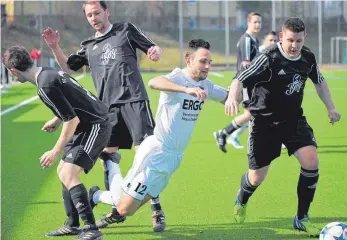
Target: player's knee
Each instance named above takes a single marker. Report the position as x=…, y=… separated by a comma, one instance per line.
x=126, y=211
x=67, y=178
x=311, y=163
x=110, y=156
x=256, y=178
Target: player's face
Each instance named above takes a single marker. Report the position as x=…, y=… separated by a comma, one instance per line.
x=292, y=42
x=270, y=39
x=97, y=16
x=254, y=25
x=200, y=64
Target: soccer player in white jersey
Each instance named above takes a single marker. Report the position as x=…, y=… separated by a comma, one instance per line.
x=183, y=92
x=269, y=38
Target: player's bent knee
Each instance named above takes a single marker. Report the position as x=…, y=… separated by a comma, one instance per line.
x=256, y=177
x=68, y=175
x=308, y=157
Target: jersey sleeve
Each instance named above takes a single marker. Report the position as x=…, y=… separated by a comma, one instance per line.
x=174, y=75
x=139, y=39
x=55, y=99
x=78, y=60
x=315, y=75
x=245, y=49
x=258, y=70
x=216, y=93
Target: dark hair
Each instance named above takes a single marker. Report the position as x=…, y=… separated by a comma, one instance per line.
x=103, y=4
x=294, y=24
x=271, y=33
x=17, y=57
x=195, y=44
x=250, y=15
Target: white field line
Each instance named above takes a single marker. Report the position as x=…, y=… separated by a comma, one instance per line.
x=216, y=74
x=25, y=102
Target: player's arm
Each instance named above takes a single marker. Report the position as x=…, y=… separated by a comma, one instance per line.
x=162, y=83
x=52, y=125
x=64, y=111
x=144, y=43
x=68, y=65
x=245, y=50
x=258, y=70
x=52, y=39
x=323, y=92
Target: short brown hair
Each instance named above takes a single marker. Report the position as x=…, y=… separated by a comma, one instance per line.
x=17, y=57
x=103, y=4
x=294, y=24
x=250, y=15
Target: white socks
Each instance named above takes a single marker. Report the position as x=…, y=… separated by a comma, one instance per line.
x=115, y=179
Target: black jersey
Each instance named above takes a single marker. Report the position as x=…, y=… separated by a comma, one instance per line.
x=67, y=99
x=113, y=63
x=247, y=49
x=275, y=83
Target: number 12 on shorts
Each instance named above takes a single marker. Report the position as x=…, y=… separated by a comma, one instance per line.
x=140, y=189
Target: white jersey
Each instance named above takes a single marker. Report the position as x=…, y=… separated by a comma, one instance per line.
x=177, y=112
x=262, y=48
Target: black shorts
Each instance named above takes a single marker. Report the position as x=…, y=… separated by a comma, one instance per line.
x=86, y=146
x=265, y=140
x=131, y=123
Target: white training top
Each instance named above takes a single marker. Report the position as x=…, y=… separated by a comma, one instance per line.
x=177, y=112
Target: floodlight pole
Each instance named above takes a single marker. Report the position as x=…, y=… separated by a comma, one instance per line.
x=273, y=15
x=227, y=40
x=41, y=39
x=180, y=28
x=320, y=32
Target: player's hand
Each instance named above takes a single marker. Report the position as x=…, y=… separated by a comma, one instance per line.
x=197, y=92
x=49, y=158
x=231, y=107
x=334, y=116
x=51, y=126
x=51, y=38
x=245, y=63
x=154, y=53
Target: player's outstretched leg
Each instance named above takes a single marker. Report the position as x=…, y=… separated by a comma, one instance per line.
x=233, y=139
x=112, y=217
x=243, y=195
x=71, y=225
x=158, y=217
x=306, y=225
x=220, y=138
x=306, y=189
x=92, y=190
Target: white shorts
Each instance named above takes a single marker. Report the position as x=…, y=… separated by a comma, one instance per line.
x=151, y=169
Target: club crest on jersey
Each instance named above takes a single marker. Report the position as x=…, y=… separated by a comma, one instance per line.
x=108, y=53
x=296, y=85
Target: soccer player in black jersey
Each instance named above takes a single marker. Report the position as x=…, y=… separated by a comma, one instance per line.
x=111, y=57
x=86, y=131
x=247, y=50
x=275, y=82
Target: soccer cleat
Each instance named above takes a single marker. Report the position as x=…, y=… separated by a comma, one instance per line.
x=158, y=220
x=64, y=231
x=305, y=225
x=92, y=190
x=90, y=233
x=220, y=138
x=235, y=142
x=110, y=219
x=239, y=212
